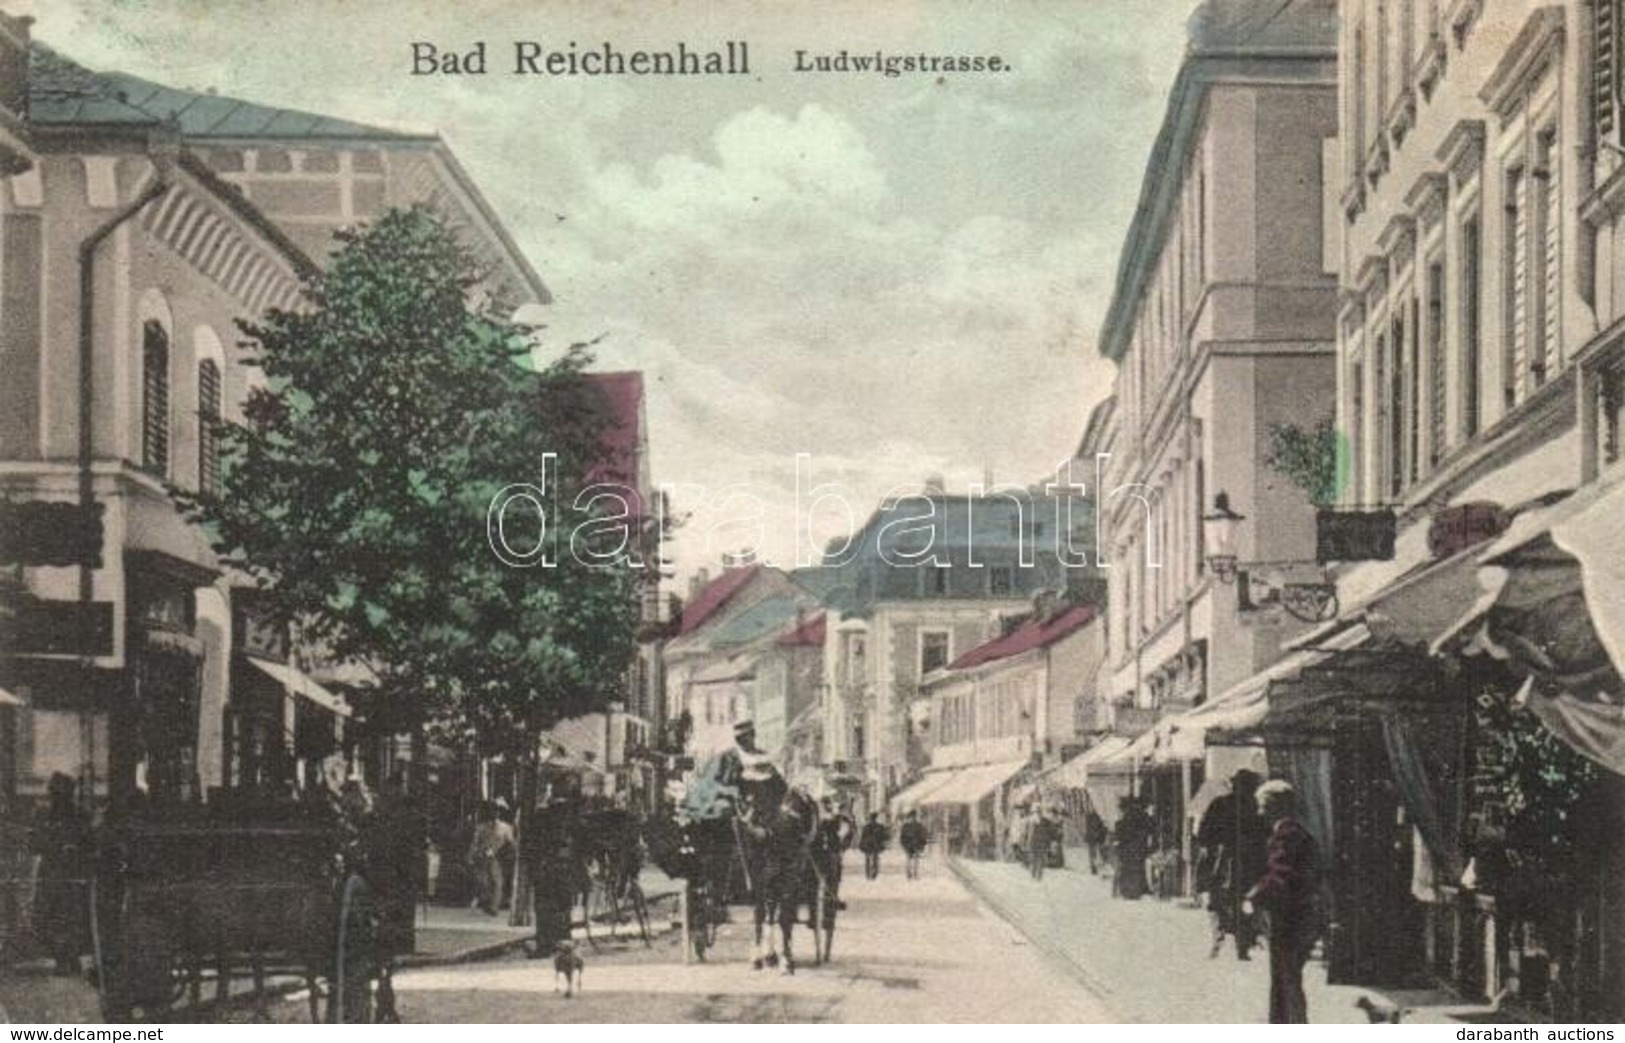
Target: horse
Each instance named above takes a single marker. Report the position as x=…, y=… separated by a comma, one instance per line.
x=776, y=828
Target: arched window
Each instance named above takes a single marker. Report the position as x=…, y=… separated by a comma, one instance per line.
x=155, y=398
x=208, y=419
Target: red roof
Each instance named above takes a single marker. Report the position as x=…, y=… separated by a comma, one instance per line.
x=716, y=594
x=623, y=431
x=1030, y=635
x=809, y=633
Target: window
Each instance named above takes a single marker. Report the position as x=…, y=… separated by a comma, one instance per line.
x=1544, y=261
x=155, y=398
x=858, y=750
x=208, y=419
x=1000, y=580
x=933, y=651
x=1514, y=285
x=1356, y=426
x=1471, y=390
x=938, y=580
x=1605, y=67
x=1611, y=406
x=1396, y=408
x=1413, y=398
x=1437, y=433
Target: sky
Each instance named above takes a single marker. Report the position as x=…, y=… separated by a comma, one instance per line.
x=899, y=277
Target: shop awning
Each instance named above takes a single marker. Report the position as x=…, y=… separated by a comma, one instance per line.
x=1074, y=774
x=7, y=699
x=300, y=683
x=971, y=785
x=1553, y=602
x=911, y=797
x=1183, y=737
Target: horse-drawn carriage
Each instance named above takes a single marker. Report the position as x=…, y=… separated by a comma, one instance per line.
x=759, y=841
x=186, y=900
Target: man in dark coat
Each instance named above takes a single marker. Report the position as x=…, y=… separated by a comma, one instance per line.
x=1231, y=837
x=1133, y=836
x=553, y=858
x=1287, y=892
x=872, y=841
x=62, y=839
x=913, y=837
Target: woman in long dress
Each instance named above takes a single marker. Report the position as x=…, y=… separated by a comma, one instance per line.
x=1134, y=831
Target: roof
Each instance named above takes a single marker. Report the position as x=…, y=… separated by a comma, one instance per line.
x=61, y=91
x=716, y=594
x=1030, y=635
x=810, y=632
x=765, y=618
x=622, y=435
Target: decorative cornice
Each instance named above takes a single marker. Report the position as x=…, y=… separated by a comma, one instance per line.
x=1430, y=64
x=1463, y=14
x=1402, y=115
x=211, y=240
x=1525, y=60
x=1372, y=275
x=1398, y=239
x=1376, y=160
x=1462, y=151
x=1426, y=197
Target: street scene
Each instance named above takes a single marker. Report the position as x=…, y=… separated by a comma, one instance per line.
x=1064, y=512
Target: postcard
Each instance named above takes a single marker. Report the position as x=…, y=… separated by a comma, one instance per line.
x=932, y=512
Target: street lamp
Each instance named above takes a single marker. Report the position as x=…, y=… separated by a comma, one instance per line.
x=1219, y=538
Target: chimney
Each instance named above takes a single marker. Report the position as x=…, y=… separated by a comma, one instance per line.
x=697, y=582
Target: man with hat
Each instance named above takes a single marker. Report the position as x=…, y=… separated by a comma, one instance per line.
x=1231, y=838
x=1287, y=891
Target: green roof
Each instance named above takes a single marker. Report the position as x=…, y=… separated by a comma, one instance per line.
x=61, y=91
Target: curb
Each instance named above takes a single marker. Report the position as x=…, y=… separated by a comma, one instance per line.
x=1055, y=953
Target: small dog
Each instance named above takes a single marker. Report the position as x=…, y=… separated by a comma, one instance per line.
x=1380, y=1013
x=567, y=965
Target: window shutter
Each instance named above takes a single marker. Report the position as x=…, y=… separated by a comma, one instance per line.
x=1436, y=364
x=1551, y=191
x=1517, y=363
x=155, y=399
x=1605, y=88
x=208, y=415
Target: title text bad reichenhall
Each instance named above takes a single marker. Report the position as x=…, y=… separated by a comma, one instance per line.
x=724, y=58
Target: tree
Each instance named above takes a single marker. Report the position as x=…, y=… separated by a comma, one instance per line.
x=357, y=488
x=1309, y=459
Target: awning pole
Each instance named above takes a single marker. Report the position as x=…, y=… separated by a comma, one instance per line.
x=1185, y=795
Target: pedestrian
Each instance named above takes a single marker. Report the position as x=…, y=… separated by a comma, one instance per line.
x=1015, y=835
x=836, y=832
x=872, y=841
x=1040, y=836
x=914, y=839
x=553, y=860
x=1286, y=893
x=1231, y=837
x=1094, y=838
x=492, y=838
x=62, y=907
x=1134, y=833
x=507, y=854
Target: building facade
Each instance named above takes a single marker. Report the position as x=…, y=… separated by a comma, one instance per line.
x=1221, y=328
x=139, y=226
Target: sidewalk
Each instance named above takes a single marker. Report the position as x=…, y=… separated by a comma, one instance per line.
x=1148, y=960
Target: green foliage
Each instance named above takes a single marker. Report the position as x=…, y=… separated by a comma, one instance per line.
x=1542, y=784
x=358, y=485
x=1309, y=459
